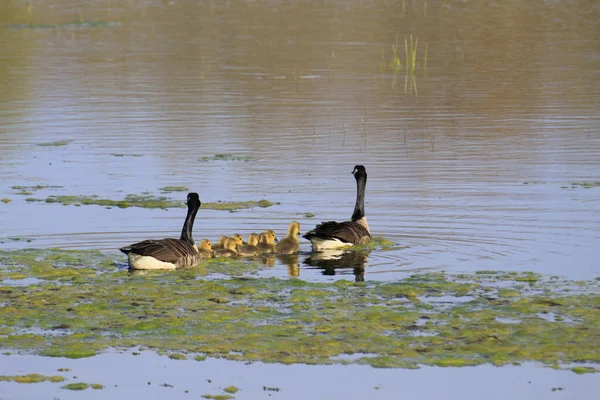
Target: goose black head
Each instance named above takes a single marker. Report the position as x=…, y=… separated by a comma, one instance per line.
x=359, y=171
x=193, y=200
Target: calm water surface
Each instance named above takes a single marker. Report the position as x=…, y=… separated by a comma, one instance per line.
x=127, y=376
x=471, y=157
x=472, y=154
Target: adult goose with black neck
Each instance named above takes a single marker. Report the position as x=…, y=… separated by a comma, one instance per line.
x=331, y=235
x=168, y=253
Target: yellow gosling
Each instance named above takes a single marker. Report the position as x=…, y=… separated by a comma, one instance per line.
x=238, y=238
x=289, y=244
x=220, y=244
x=228, y=249
x=205, y=249
x=271, y=232
x=266, y=243
x=249, y=249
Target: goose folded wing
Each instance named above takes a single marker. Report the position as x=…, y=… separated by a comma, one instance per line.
x=347, y=232
x=166, y=250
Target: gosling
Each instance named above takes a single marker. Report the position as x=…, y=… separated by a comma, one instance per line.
x=266, y=242
x=250, y=249
x=205, y=249
x=220, y=243
x=289, y=244
x=228, y=249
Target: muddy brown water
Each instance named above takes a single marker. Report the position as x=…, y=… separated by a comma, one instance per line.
x=472, y=155
x=471, y=158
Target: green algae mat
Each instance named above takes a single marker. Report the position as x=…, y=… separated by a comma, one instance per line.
x=78, y=303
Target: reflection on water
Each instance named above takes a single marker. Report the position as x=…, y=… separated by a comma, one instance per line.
x=331, y=260
x=473, y=136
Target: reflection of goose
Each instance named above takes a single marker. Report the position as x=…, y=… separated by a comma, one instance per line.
x=328, y=235
x=331, y=260
x=250, y=249
x=168, y=253
x=266, y=242
x=205, y=248
x=228, y=249
x=289, y=244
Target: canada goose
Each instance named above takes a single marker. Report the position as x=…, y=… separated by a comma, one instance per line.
x=228, y=250
x=205, y=249
x=250, y=249
x=266, y=242
x=330, y=235
x=168, y=253
x=289, y=244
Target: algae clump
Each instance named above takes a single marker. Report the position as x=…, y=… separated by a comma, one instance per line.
x=76, y=386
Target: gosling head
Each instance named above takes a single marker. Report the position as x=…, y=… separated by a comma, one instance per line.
x=238, y=238
x=205, y=244
x=294, y=229
x=271, y=233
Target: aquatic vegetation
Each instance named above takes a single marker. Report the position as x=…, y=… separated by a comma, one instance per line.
x=29, y=190
x=5, y=200
x=438, y=319
x=231, y=389
x=68, y=25
x=97, y=386
x=32, y=378
x=378, y=243
x=410, y=62
x=226, y=157
x=309, y=215
x=148, y=201
x=217, y=396
x=76, y=386
x=584, y=370
x=55, y=143
x=174, y=189
x=233, y=206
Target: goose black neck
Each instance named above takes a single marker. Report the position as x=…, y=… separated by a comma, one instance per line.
x=188, y=225
x=359, y=208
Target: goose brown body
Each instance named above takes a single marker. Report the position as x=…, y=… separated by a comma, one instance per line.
x=168, y=253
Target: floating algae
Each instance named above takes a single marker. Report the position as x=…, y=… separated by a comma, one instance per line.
x=400, y=324
x=148, y=201
x=32, y=378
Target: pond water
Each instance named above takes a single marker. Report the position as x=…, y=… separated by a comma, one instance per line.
x=478, y=123
x=471, y=156
x=155, y=377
